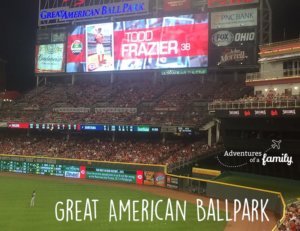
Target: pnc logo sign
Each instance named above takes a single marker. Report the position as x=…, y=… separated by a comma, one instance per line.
x=220, y=3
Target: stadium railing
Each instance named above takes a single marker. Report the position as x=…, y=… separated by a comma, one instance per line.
x=273, y=75
x=181, y=164
x=253, y=104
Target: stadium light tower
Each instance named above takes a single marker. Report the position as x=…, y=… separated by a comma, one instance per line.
x=265, y=27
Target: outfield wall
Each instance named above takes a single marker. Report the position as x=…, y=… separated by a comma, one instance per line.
x=143, y=174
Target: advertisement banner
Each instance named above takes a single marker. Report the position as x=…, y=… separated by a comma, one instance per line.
x=76, y=50
x=72, y=172
x=111, y=175
x=177, y=5
x=82, y=172
x=148, y=178
x=234, y=18
x=18, y=125
x=50, y=58
x=233, y=37
x=261, y=113
x=233, y=56
x=130, y=110
x=48, y=36
x=155, y=43
x=139, y=177
x=172, y=182
x=190, y=71
x=160, y=179
x=226, y=3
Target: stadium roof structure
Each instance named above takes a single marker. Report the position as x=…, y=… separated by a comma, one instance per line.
x=279, y=57
x=287, y=47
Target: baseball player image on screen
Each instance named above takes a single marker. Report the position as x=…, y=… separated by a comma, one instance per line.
x=99, y=47
x=99, y=39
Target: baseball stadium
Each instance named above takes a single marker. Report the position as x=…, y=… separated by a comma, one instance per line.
x=155, y=115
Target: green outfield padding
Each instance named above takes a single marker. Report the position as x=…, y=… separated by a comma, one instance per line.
x=290, y=189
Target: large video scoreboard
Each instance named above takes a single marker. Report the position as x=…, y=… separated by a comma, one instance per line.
x=33, y=167
x=183, y=40
x=143, y=44
x=68, y=171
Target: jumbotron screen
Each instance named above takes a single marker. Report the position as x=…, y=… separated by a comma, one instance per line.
x=155, y=43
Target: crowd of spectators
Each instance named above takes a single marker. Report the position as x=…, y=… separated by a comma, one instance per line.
x=164, y=101
x=41, y=104
x=189, y=152
x=130, y=94
x=101, y=149
x=292, y=218
x=228, y=90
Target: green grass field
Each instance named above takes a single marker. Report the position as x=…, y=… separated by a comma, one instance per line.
x=16, y=214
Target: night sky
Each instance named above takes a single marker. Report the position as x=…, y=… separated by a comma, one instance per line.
x=18, y=20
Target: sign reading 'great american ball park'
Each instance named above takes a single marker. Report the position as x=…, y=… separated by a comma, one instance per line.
x=68, y=13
